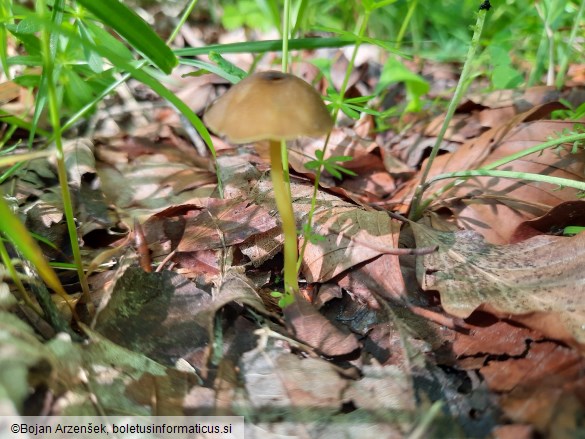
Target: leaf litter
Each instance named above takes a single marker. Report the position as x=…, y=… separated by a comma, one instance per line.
x=503, y=353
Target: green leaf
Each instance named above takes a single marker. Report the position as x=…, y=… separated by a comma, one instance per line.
x=134, y=30
x=28, y=26
x=103, y=38
x=506, y=76
x=382, y=3
x=94, y=61
x=394, y=71
x=77, y=90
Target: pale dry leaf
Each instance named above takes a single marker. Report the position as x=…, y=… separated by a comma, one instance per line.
x=79, y=159
x=539, y=280
x=276, y=378
x=351, y=236
x=9, y=90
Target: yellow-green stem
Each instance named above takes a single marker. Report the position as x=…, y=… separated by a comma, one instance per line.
x=287, y=217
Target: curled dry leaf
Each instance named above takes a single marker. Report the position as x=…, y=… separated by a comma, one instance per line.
x=537, y=281
x=569, y=213
x=314, y=329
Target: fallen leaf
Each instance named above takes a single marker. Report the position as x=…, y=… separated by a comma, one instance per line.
x=9, y=90
x=224, y=223
x=100, y=377
x=166, y=317
x=313, y=329
x=495, y=206
x=569, y=213
x=351, y=236
x=534, y=281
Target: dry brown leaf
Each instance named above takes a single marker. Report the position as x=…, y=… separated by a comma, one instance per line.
x=224, y=223
x=137, y=174
x=569, y=213
x=9, y=90
x=379, y=277
x=352, y=235
x=312, y=328
x=541, y=388
x=166, y=317
x=495, y=206
x=538, y=281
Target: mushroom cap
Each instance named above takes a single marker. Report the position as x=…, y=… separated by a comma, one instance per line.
x=269, y=106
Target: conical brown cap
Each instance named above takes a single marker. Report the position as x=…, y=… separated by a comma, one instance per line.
x=269, y=106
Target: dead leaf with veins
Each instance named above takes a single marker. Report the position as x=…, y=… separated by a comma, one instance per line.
x=537, y=282
x=351, y=236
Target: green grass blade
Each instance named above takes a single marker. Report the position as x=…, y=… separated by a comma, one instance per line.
x=267, y=46
x=10, y=119
x=15, y=231
x=134, y=30
x=41, y=99
x=5, y=15
x=13, y=159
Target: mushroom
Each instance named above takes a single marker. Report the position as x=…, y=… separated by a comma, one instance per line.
x=273, y=106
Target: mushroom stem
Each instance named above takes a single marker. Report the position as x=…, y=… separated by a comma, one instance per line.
x=289, y=226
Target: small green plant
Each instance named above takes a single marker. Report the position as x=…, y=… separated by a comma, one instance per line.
x=570, y=112
x=331, y=164
x=246, y=13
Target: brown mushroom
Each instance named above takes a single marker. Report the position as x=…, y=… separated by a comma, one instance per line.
x=273, y=106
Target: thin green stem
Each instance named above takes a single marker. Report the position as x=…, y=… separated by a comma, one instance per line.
x=564, y=64
x=411, y=8
x=289, y=227
x=537, y=148
x=22, y=292
x=281, y=184
x=182, y=21
x=48, y=65
x=300, y=15
x=6, y=16
x=508, y=159
x=459, y=90
x=509, y=174
x=361, y=32
x=285, y=35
